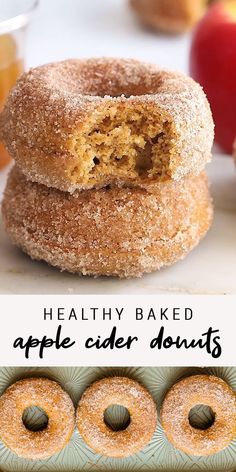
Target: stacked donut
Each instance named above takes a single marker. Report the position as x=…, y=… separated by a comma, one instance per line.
x=109, y=158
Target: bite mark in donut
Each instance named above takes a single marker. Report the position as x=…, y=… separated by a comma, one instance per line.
x=105, y=121
x=124, y=142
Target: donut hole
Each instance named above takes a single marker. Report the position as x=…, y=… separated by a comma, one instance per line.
x=134, y=143
x=201, y=417
x=113, y=85
x=35, y=418
x=117, y=417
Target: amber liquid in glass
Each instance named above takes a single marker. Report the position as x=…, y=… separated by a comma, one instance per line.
x=10, y=69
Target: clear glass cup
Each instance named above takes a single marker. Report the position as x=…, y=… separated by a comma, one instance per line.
x=14, y=19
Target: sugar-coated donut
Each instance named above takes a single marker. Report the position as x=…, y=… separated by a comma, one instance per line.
x=116, y=391
x=170, y=16
x=79, y=124
x=123, y=232
x=56, y=403
x=182, y=397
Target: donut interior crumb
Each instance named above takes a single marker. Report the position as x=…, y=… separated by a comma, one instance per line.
x=123, y=141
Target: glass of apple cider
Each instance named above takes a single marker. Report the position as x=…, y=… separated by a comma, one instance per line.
x=14, y=19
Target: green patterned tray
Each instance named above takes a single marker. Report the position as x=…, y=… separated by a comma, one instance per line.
x=159, y=455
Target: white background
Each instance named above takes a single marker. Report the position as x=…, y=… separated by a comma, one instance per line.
x=23, y=317
x=86, y=28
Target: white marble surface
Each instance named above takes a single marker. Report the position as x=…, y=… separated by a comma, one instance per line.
x=80, y=28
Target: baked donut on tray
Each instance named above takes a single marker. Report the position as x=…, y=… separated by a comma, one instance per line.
x=55, y=402
x=116, y=391
x=87, y=123
x=115, y=231
x=169, y=16
x=199, y=390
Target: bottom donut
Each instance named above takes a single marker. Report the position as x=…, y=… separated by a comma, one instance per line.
x=122, y=232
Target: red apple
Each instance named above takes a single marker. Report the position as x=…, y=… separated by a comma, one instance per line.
x=213, y=65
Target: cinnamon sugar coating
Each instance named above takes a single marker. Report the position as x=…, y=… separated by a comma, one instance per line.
x=81, y=124
x=116, y=391
x=182, y=397
x=56, y=403
x=122, y=232
x=169, y=16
